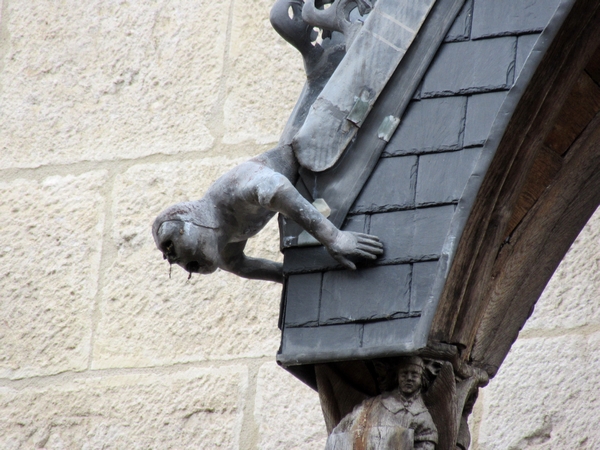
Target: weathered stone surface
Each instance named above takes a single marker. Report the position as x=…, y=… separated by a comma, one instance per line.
x=195, y=408
x=376, y=292
x=443, y=176
x=411, y=137
x=525, y=44
x=95, y=80
x=302, y=300
x=570, y=299
x=482, y=110
x=147, y=318
x=265, y=75
x=545, y=396
x=287, y=412
x=494, y=18
x=461, y=28
x=412, y=235
x=391, y=186
x=471, y=66
x=49, y=260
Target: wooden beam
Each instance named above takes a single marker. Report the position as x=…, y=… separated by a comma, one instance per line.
x=525, y=265
x=461, y=304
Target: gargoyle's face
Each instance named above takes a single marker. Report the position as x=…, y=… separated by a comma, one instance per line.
x=188, y=245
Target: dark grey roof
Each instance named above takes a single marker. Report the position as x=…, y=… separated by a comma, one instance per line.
x=412, y=196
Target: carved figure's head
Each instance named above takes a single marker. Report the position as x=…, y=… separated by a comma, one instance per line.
x=410, y=375
x=186, y=235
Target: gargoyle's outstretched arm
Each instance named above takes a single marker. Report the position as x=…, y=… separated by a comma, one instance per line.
x=276, y=193
x=235, y=261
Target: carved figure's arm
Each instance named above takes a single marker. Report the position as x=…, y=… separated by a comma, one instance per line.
x=276, y=193
x=235, y=261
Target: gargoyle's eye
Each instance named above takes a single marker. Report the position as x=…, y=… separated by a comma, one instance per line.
x=168, y=247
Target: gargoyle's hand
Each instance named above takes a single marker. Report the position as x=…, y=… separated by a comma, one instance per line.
x=349, y=244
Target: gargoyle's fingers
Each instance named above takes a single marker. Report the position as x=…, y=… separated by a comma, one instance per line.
x=367, y=236
x=346, y=263
x=376, y=250
x=369, y=242
x=368, y=254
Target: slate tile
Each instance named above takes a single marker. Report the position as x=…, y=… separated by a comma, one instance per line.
x=422, y=280
x=414, y=235
x=471, y=66
x=391, y=186
x=397, y=333
x=321, y=339
x=461, y=28
x=303, y=293
x=316, y=258
x=442, y=177
x=482, y=109
x=525, y=44
x=504, y=17
x=376, y=292
x=429, y=125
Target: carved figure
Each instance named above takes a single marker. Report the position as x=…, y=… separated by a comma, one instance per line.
x=211, y=233
x=396, y=420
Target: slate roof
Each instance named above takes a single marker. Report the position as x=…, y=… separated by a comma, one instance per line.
x=412, y=196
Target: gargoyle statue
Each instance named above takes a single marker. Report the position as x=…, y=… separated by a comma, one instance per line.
x=211, y=233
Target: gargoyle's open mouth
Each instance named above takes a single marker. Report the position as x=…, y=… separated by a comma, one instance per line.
x=193, y=267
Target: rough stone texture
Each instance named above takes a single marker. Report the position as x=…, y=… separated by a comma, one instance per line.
x=545, y=396
x=494, y=18
x=570, y=299
x=148, y=318
x=264, y=76
x=471, y=66
x=288, y=413
x=49, y=259
x=103, y=80
x=194, y=408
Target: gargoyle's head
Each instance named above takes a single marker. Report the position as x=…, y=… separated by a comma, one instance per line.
x=187, y=237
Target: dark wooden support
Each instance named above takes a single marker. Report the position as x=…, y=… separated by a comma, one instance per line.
x=527, y=262
x=463, y=301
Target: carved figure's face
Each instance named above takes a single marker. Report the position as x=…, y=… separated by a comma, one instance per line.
x=409, y=378
x=188, y=245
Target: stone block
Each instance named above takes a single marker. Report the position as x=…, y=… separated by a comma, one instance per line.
x=391, y=186
x=288, y=412
x=365, y=294
x=494, y=18
x=95, y=80
x=570, y=299
x=414, y=235
x=482, y=110
x=49, y=266
x=194, y=408
x=525, y=44
x=264, y=78
x=445, y=118
x=545, y=396
x=443, y=176
x=302, y=299
x=148, y=318
x=390, y=333
x=423, y=276
x=461, y=28
x=321, y=339
x=471, y=66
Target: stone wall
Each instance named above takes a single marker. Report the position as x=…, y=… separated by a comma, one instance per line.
x=109, y=111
